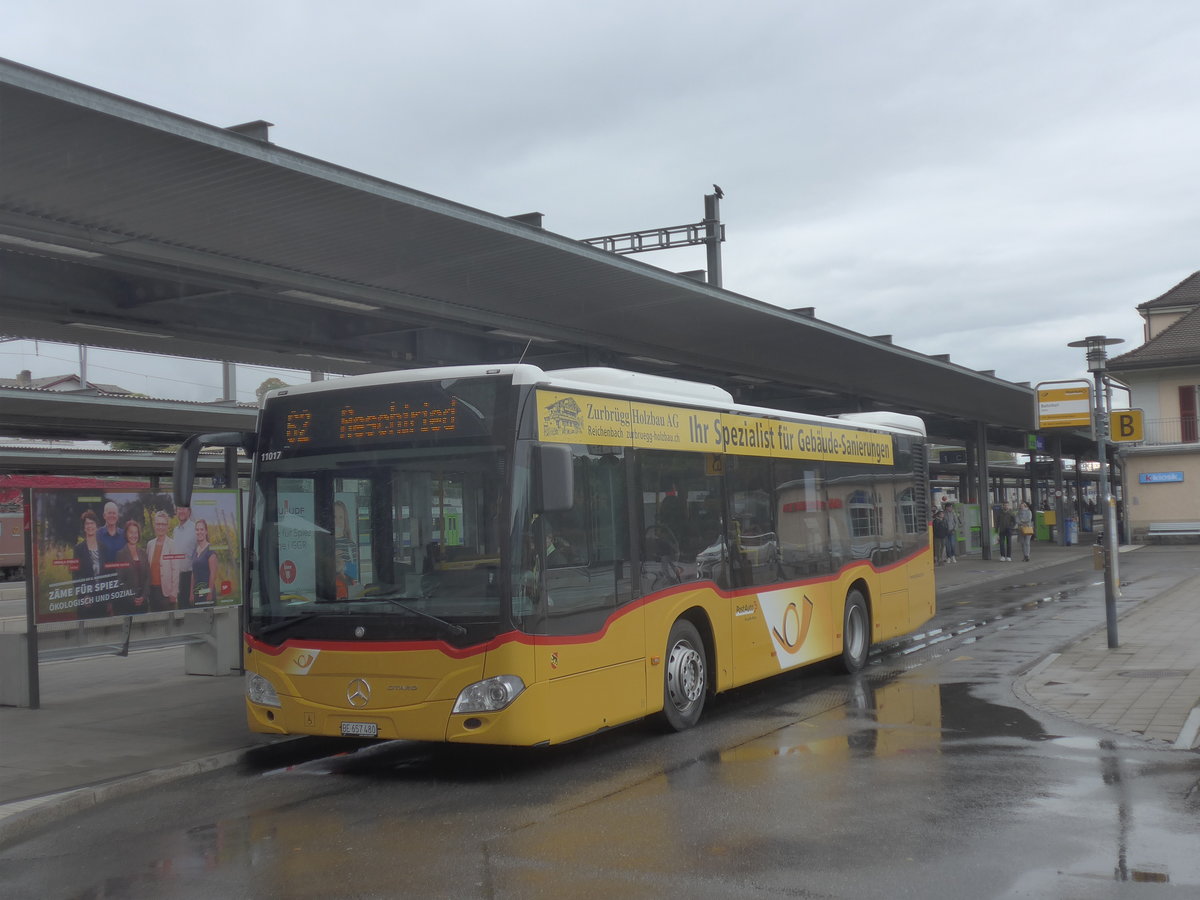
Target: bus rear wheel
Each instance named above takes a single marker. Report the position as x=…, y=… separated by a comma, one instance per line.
x=685, y=677
x=856, y=632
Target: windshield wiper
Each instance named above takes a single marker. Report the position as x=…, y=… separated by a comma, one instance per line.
x=286, y=624
x=449, y=627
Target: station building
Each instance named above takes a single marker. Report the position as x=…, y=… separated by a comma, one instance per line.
x=1162, y=472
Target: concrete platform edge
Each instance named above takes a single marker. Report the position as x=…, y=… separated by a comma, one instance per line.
x=23, y=816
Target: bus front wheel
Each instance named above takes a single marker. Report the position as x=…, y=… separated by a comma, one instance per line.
x=856, y=632
x=685, y=677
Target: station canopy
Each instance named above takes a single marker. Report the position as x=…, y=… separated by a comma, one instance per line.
x=122, y=225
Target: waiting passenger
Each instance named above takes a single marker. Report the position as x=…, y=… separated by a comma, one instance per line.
x=1025, y=529
x=939, y=537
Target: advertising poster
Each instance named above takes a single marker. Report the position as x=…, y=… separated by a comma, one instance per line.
x=100, y=553
x=297, y=541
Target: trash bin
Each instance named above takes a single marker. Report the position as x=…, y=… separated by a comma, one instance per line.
x=1043, y=524
x=1069, y=531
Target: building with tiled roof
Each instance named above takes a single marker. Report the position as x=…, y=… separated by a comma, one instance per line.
x=1173, y=344
x=1162, y=472
x=1184, y=295
x=61, y=383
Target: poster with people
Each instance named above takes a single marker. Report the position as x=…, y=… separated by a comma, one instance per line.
x=98, y=554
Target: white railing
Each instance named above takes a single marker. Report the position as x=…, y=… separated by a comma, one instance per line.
x=1171, y=431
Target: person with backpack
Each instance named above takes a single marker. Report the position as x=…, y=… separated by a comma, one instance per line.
x=951, y=518
x=939, y=537
x=1006, y=523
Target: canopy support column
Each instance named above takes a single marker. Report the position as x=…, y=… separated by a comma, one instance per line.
x=981, y=492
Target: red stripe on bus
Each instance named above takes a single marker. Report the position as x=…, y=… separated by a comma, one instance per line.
x=537, y=640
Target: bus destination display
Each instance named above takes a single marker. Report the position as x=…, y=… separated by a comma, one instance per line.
x=388, y=415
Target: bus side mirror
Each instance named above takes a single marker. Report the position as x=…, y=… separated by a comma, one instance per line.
x=184, y=471
x=556, y=474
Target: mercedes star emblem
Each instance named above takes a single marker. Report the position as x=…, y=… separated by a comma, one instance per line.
x=358, y=693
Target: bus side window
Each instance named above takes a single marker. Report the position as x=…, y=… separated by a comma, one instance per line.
x=855, y=512
x=584, y=551
x=752, y=537
x=911, y=512
x=681, y=528
x=564, y=531
x=802, y=519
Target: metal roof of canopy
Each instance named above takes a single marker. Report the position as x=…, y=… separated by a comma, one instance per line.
x=108, y=463
x=127, y=226
x=80, y=416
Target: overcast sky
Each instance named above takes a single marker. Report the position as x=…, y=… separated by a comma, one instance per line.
x=984, y=179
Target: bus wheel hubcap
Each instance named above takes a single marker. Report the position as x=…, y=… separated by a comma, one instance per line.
x=856, y=631
x=685, y=675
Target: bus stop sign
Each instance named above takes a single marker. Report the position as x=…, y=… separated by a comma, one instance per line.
x=1064, y=404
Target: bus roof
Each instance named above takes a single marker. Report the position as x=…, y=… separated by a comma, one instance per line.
x=619, y=382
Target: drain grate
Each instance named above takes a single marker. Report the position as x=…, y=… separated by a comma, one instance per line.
x=1155, y=673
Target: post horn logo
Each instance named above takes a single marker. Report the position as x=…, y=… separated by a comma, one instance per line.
x=358, y=693
x=795, y=626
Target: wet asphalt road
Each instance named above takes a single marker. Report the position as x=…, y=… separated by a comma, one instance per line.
x=924, y=777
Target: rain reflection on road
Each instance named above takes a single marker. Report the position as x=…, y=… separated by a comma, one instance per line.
x=978, y=792
x=901, y=777
x=908, y=716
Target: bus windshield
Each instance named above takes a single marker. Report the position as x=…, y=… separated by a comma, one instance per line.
x=377, y=514
x=410, y=537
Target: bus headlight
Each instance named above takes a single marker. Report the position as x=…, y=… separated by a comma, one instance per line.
x=261, y=691
x=489, y=696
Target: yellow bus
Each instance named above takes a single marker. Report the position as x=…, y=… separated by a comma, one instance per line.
x=506, y=555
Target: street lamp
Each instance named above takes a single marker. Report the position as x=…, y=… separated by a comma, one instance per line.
x=1097, y=353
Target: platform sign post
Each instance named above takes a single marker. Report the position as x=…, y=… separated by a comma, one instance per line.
x=1097, y=355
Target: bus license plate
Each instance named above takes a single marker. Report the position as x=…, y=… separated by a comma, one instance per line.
x=360, y=729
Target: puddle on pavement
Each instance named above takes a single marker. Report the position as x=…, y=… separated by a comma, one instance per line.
x=890, y=716
x=1151, y=842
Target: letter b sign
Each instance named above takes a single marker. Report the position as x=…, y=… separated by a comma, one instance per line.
x=1127, y=425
